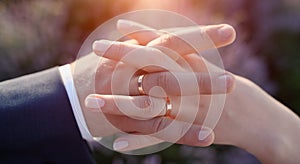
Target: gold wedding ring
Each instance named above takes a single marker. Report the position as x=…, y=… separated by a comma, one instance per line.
x=142, y=92
x=140, y=85
x=168, y=107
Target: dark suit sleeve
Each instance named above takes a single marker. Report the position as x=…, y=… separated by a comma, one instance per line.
x=36, y=122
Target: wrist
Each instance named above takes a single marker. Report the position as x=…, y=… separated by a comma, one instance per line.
x=260, y=124
x=232, y=126
x=67, y=78
x=84, y=72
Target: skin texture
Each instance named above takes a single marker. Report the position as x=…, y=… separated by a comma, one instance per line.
x=98, y=71
x=251, y=119
x=258, y=123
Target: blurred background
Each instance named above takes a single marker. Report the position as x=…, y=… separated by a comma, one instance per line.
x=39, y=34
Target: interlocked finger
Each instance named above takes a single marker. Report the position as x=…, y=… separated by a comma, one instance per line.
x=179, y=84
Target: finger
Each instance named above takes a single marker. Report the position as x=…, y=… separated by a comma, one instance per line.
x=200, y=37
x=196, y=38
x=143, y=107
x=136, y=55
x=168, y=130
x=143, y=34
x=138, y=107
x=133, y=142
x=198, y=63
x=184, y=108
x=220, y=35
x=180, y=84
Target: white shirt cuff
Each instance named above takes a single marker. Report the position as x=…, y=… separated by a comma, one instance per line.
x=66, y=75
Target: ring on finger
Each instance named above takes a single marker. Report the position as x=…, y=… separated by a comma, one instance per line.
x=140, y=85
x=168, y=107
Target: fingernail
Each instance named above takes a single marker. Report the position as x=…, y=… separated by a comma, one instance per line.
x=225, y=31
x=94, y=102
x=122, y=23
x=203, y=134
x=119, y=145
x=225, y=81
x=101, y=46
x=131, y=26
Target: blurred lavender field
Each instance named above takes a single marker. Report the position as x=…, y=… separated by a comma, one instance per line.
x=39, y=34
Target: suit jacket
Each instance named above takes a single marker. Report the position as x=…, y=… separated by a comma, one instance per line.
x=37, y=124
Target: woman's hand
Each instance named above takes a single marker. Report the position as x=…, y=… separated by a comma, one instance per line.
x=247, y=121
x=222, y=81
x=111, y=77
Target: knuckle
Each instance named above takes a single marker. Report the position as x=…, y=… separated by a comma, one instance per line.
x=120, y=48
x=167, y=39
x=147, y=102
x=154, y=55
x=200, y=80
x=205, y=104
x=203, y=83
x=182, y=131
x=163, y=80
x=143, y=102
x=157, y=106
x=187, y=135
x=159, y=124
x=169, y=82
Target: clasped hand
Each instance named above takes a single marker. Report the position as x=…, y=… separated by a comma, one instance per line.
x=172, y=69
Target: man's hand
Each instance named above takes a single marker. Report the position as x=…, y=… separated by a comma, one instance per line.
x=117, y=51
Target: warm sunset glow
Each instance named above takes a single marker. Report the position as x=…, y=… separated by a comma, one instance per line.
x=38, y=34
